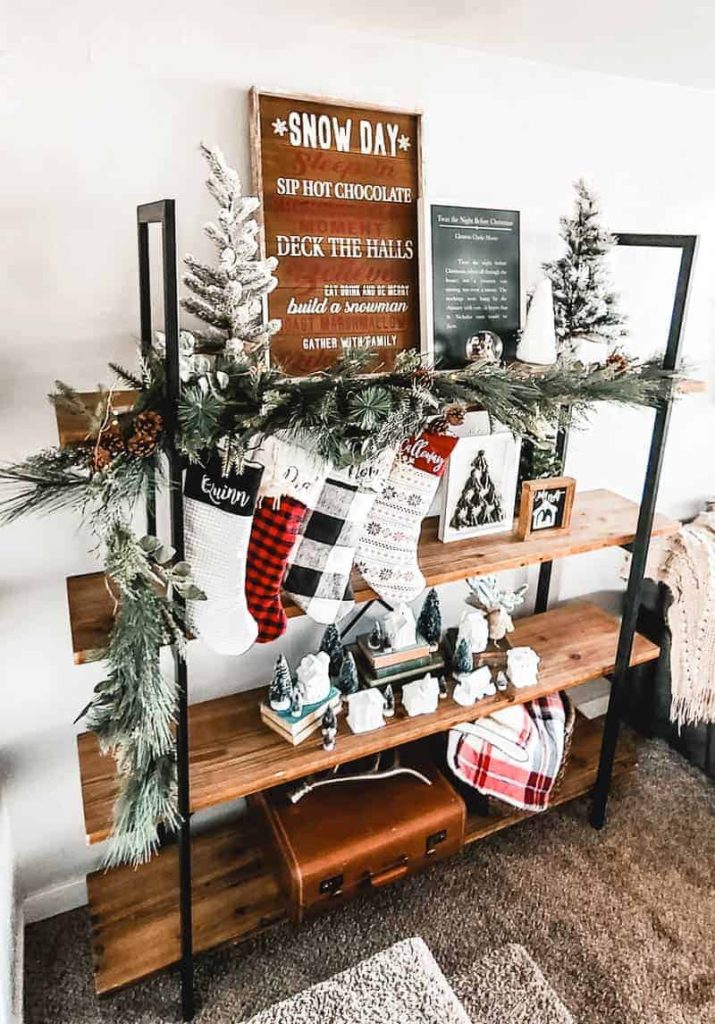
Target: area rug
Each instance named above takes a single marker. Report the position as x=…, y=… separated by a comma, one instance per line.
x=507, y=987
x=400, y=984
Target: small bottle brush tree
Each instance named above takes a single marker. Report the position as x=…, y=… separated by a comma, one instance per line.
x=584, y=304
x=333, y=647
x=479, y=503
x=429, y=623
x=463, y=661
x=348, y=677
x=281, y=688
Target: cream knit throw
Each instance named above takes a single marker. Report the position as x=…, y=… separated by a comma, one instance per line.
x=689, y=573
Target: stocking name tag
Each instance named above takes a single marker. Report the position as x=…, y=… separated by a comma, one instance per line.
x=234, y=493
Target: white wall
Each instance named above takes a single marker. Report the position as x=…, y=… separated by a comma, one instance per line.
x=10, y=928
x=104, y=111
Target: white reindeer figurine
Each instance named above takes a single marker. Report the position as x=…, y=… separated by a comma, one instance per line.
x=498, y=604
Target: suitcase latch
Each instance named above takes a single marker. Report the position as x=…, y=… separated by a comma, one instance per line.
x=434, y=840
x=332, y=886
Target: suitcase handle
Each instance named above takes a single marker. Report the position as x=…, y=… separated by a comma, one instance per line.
x=389, y=875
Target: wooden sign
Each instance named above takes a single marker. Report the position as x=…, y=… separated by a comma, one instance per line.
x=340, y=186
x=475, y=282
x=546, y=505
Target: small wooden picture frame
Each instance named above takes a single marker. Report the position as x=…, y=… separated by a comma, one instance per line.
x=545, y=506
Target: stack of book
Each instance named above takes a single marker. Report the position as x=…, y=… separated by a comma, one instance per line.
x=377, y=668
x=297, y=728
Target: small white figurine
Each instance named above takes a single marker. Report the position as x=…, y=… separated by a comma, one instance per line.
x=366, y=710
x=313, y=676
x=473, y=686
x=400, y=627
x=522, y=666
x=421, y=697
x=473, y=628
x=538, y=339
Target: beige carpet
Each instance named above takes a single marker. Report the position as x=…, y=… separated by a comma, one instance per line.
x=507, y=987
x=621, y=923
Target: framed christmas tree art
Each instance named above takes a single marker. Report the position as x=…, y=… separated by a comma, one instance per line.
x=479, y=490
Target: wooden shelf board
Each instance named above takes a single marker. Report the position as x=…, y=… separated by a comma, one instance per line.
x=73, y=427
x=579, y=778
x=601, y=519
x=233, y=754
x=134, y=914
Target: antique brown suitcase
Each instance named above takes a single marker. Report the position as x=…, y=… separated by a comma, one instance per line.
x=350, y=837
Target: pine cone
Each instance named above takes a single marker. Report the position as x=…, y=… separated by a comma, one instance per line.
x=100, y=458
x=112, y=439
x=147, y=429
x=423, y=376
x=618, y=362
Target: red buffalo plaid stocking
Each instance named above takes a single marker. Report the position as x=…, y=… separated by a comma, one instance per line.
x=292, y=481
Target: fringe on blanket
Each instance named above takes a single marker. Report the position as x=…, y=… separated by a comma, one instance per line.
x=688, y=571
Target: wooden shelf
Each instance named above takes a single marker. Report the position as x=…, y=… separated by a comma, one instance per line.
x=134, y=914
x=233, y=754
x=601, y=519
x=72, y=427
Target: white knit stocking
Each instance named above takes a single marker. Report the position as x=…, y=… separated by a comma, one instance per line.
x=218, y=512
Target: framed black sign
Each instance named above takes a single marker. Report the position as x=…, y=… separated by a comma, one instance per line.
x=475, y=283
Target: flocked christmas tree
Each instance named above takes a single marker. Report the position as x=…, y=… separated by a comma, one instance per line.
x=332, y=645
x=479, y=503
x=429, y=623
x=584, y=304
x=348, y=677
x=229, y=299
x=281, y=688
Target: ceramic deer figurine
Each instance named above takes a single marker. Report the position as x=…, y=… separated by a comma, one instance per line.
x=497, y=603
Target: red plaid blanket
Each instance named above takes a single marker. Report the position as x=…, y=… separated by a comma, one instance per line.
x=520, y=761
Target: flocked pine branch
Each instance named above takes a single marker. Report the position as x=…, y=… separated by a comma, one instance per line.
x=229, y=297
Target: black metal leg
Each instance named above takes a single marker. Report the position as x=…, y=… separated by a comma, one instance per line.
x=630, y=615
x=164, y=213
x=542, y=589
x=687, y=245
x=544, y=585
x=184, y=842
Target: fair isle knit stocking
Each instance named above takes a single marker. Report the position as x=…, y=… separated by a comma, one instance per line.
x=291, y=484
x=318, y=578
x=218, y=510
x=387, y=551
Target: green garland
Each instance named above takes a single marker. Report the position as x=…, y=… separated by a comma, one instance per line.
x=231, y=397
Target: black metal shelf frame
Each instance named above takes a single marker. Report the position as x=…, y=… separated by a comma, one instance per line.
x=164, y=214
